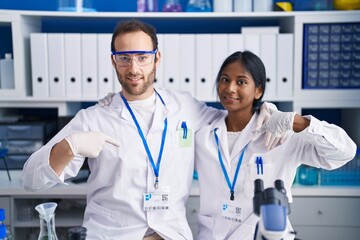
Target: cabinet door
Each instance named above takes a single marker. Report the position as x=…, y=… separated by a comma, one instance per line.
x=326, y=217
x=328, y=233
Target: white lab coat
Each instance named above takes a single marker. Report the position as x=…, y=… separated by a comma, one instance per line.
x=321, y=145
x=121, y=176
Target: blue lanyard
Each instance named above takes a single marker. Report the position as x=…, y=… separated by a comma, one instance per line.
x=231, y=186
x=156, y=167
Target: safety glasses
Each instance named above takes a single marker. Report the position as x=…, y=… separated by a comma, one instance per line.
x=142, y=58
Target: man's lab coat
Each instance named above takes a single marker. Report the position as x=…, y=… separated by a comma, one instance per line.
x=121, y=176
x=321, y=145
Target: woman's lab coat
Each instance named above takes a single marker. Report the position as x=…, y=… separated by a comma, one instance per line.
x=121, y=176
x=321, y=145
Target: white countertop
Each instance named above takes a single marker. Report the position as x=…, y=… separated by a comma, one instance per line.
x=14, y=187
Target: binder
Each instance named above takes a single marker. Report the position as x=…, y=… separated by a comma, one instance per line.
x=235, y=43
x=89, y=66
x=39, y=65
x=204, y=85
x=285, y=65
x=187, y=63
x=171, y=61
x=268, y=54
x=159, y=78
x=219, y=53
x=56, y=64
x=252, y=43
x=73, y=65
x=105, y=71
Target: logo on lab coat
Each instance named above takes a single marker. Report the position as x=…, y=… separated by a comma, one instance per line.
x=147, y=197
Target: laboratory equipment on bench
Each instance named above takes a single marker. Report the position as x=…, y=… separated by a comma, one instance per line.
x=272, y=206
x=77, y=233
x=5, y=233
x=47, y=220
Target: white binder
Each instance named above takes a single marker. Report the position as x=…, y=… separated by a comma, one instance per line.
x=159, y=79
x=204, y=85
x=56, y=64
x=171, y=61
x=219, y=53
x=89, y=66
x=39, y=65
x=187, y=63
x=285, y=66
x=73, y=65
x=268, y=55
x=252, y=43
x=235, y=43
x=105, y=71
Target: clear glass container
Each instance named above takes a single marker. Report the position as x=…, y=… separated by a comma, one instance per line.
x=172, y=6
x=47, y=229
x=76, y=6
x=198, y=6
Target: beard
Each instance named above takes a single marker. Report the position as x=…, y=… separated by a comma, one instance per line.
x=142, y=87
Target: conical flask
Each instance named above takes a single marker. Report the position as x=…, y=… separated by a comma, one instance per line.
x=47, y=221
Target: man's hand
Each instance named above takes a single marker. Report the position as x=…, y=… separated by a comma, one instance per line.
x=106, y=100
x=276, y=125
x=89, y=144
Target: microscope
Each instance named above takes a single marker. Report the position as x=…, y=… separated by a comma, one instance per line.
x=272, y=206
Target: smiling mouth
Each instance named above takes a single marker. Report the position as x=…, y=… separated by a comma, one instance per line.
x=231, y=98
x=134, y=79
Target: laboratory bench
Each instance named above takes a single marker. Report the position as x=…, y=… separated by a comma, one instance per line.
x=317, y=212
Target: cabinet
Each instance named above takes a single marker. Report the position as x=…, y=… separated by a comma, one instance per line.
x=24, y=138
x=22, y=23
x=326, y=217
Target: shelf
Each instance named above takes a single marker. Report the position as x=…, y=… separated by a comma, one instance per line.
x=72, y=217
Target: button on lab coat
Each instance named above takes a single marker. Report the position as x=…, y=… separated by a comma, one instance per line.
x=321, y=145
x=121, y=176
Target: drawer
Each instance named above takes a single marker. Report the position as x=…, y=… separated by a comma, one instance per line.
x=23, y=146
x=328, y=233
x=27, y=131
x=325, y=211
x=14, y=162
x=22, y=132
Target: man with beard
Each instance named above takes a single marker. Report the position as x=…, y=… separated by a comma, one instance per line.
x=140, y=148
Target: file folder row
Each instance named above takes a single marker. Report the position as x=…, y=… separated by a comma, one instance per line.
x=74, y=65
x=191, y=62
x=78, y=66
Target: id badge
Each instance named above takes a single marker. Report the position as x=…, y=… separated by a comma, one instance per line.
x=158, y=200
x=232, y=212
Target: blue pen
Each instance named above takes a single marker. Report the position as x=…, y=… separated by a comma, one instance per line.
x=261, y=165
x=185, y=130
x=257, y=165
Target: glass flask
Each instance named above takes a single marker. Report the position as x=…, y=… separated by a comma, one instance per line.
x=172, y=6
x=47, y=228
x=199, y=6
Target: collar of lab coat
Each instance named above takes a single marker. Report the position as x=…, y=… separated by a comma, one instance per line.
x=244, y=138
x=161, y=111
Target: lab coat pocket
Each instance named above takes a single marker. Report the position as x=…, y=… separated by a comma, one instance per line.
x=104, y=214
x=184, y=134
x=262, y=167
